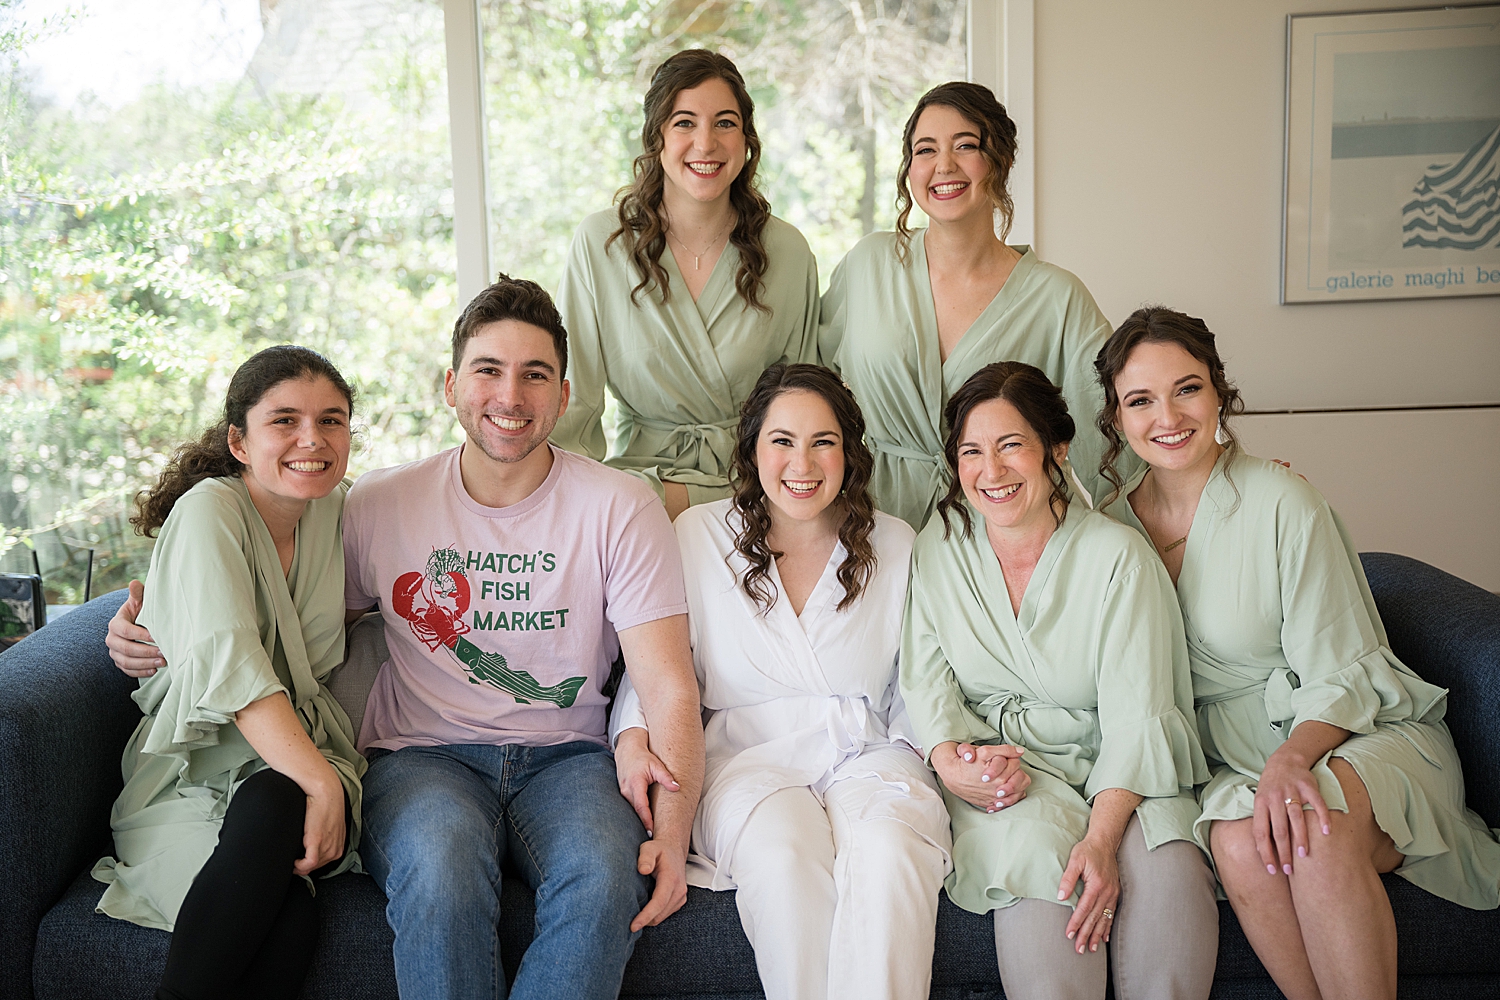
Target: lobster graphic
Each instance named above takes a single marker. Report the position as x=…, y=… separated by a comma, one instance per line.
x=433, y=604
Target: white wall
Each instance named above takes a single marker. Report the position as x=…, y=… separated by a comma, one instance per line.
x=1159, y=146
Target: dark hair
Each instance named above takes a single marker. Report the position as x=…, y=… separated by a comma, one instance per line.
x=511, y=298
x=209, y=456
x=642, y=221
x=997, y=141
x=1157, y=325
x=1041, y=405
x=750, y=498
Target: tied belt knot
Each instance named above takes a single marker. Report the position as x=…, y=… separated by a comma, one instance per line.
x=1276, y=690
x=708, y=448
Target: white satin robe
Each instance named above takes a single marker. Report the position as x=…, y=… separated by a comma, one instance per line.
x=812, y=701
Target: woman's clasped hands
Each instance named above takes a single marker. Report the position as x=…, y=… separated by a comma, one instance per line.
x=986, y=777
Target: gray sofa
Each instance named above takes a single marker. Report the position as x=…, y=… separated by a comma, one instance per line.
x=65, y=714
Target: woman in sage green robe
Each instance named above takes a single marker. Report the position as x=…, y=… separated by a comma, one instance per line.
x=1293, y=635
x=1331, y=761
x=1088, y=677
x=233, y=630
x=878, y=330
x=679, y=369
x=1090, y=680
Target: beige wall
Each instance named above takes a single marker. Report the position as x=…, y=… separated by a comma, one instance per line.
x=1159, y=147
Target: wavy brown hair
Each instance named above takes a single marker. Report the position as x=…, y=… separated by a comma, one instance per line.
x=1157, y=325
x=750, y=497
x=643, y=222
x=1041, y=405
x=997, y=141
x=209, y=456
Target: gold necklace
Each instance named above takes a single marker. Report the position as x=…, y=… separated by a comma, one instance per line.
x=699, y=256
x=1174, y=545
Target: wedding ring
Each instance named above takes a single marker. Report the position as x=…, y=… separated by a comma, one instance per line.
x=1109, y=914
x=1290, y=801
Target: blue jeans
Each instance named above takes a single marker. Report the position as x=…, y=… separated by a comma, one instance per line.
x=438, y=823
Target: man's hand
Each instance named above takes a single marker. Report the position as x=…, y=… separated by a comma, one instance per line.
x=669, y=866
x=130, y=646
x=637, y=769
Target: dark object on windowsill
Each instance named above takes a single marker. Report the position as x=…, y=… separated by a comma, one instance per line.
x=23, y=609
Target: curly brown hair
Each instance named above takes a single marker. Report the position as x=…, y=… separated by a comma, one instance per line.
x=1157, y=325
x=209, y=456
x=997, y=141
x=1041, y=405
x=643, y=223
x=858, y=567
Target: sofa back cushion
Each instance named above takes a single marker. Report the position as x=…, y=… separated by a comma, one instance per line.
x=1448, y=630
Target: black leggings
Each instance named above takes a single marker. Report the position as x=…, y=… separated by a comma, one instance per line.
x=248, y=926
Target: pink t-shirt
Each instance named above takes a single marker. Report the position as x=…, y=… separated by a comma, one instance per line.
x=501, y=621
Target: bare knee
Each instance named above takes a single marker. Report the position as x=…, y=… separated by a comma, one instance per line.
x=1235, y=852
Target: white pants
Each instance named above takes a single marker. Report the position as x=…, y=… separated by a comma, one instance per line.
x=835, y=905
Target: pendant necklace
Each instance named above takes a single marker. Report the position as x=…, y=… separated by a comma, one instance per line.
x=697, y=257
x=1174, y=545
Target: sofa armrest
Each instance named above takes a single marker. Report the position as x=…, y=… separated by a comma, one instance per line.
x=1448, y=630
x=65, y=716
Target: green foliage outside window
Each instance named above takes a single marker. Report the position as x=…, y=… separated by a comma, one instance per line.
x=147, y=249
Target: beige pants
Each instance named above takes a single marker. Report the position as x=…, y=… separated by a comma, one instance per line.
x=837, y=905
x=1165, y=941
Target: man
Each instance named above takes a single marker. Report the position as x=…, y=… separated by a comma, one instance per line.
x=508, y=574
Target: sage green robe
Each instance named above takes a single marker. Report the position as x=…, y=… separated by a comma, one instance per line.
x=879, y=331
x=233, y=630
x=680, y=370
x=1091, y=679
x=1281, y=629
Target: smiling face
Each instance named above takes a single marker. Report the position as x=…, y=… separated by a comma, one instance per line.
x=703, y=142
x=507, y=391
x=948, y=169
x=800, y=455
x=295, y=442
x=1169, y=411
x=1002, y=467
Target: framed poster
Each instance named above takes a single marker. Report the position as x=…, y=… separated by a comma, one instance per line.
x=1392, y=184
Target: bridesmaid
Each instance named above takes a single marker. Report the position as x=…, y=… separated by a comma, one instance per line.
x=910, y=315
x=1331, y=761
x=679, y=300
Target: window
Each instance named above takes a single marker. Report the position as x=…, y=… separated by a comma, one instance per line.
x=180, y=189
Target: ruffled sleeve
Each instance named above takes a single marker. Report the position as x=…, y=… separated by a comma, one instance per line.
x=936, y=705
x=201, y=609
x=1147, y=744
x=1342, y=671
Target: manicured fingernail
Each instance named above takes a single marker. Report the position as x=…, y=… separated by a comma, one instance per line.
x=1287, y=869
x=984, y=777
x=1301, y=852
x=1063, y=895
x=650, y=834
x=968, y=756
x=1093, y=947
x=999, y=795
x=1271, y=869
x=1326, y=831
x=1070, y=937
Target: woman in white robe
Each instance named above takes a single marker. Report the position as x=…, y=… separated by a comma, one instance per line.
x=816, y=804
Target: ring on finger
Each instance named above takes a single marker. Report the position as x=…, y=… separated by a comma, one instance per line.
x=1108, y=914
x=1290, y=801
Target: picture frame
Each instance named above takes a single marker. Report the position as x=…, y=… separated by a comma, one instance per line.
x=1391, y=187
